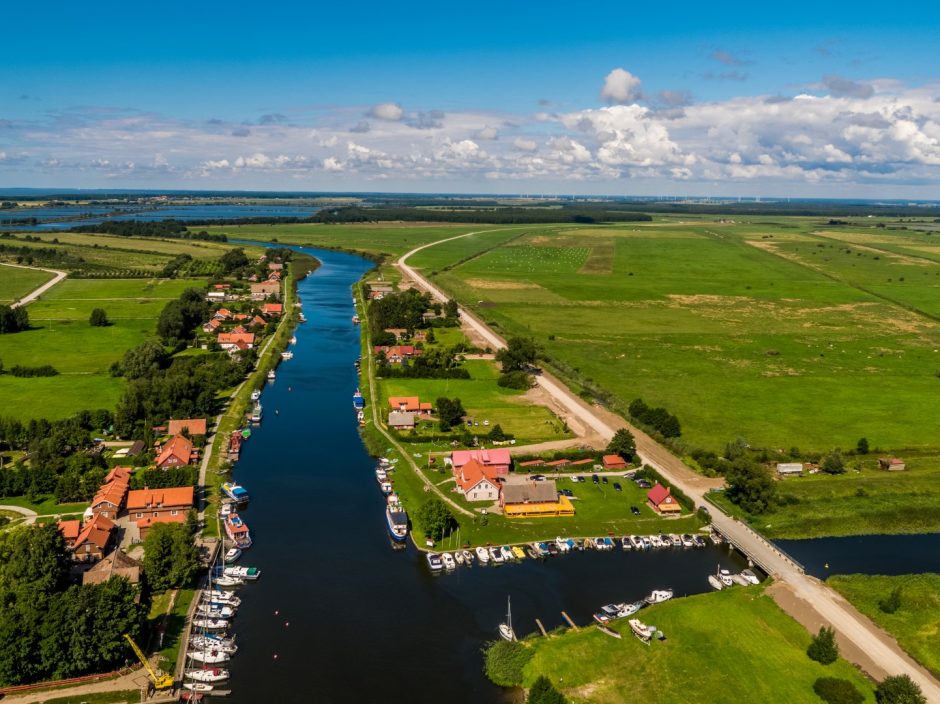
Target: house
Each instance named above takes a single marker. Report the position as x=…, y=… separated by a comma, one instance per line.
x=272, y=309
x=499, y=459
x=263, y=289
x=240, y=317
x=408, y=403
x=238, y=330
x=215, y=296
x=136, y=448
x=401, y=420
x=70, y=531
x=167, y=505
x=110, y=497
x=477, y=482
x=275, y=266
x=177, y=452
x=94, y=540
x=530, y=499
x=785, y=469
x=662, y=501
x=192, y=426
x=236, y=340
x=892, y=464
x=212, y=326
x=614, y=462
x=223, y=314
x=396, y=354
x=257, y=321
x=117, y=564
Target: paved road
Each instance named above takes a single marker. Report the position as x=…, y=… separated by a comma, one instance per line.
x=29, y=514
x=28, y=298
x=851, y=626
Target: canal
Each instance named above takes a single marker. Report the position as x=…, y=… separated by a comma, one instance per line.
x=338, y=616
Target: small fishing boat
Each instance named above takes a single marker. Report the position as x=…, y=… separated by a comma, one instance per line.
x=227, y=509
x=256, y=394
x=458, y=556
x=397, y=521
x=247, y=573
x=211, y=624
x=482, y=555
x=519, y=553
x=232, y=555
x=449, y=562
x=625, y=543
x=209, y=657
x=496, y=555
x=435, y=562
x=208, y=674
x=287, y=355
x=658, y=596
x=198, y=687
x=675, y=540
x=750, y=576
x=641, y=630
x=272, y=375
x=505, y=629
x=237, y=531
x=467, y=556
x=236, y=492
x=506, y=552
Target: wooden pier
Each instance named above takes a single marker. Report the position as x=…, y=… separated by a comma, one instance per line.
x=567, y=618
x=541, y=627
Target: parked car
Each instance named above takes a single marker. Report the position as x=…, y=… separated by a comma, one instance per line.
x=643, y=484
x=486, y=422
x=604, y=479
x=567, y=492
x=635, y=510
x=617, y=486
x=595, y=479
x=538, y=477
x=577, y=478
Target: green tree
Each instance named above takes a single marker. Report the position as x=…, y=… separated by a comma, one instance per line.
x=750, y=486
x=233, y=259
x=431, y=338
x=833, y=690
x=497, y=434
x=892, y=603
x=504, y=661
x=13, y=319
x=37, y=562
x=899, y=689
x=862, y=446
x=436, y=518
x=623, y=444
x=98, y=318
x=833, y=463
x=823, y=648
x=451, y=309
x=518, y=354
x=544, y=692
x=450, y=412
x=170, y=557
x=515, y=380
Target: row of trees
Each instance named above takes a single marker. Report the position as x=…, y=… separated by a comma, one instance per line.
x=659, y=419
x=172, y=229
x=581, y=214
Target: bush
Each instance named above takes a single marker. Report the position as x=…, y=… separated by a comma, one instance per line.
x=504, y=661
x=837, y=691
x=13, y=319
x=99, y=318
x=824, y=649
x=899, y=689
x=544, y=692
x=892, y=603
x=44, y=370
x=515, y=380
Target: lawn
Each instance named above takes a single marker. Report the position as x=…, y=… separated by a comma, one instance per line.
x=734, y=645
x=915, y=625
x=46, y=506
x=16, y=283
x=864, y=502
x=126, y=696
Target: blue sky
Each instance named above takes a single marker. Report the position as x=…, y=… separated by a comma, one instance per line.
x=491, y=96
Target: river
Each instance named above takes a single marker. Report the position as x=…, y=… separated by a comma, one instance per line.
x=338, y=616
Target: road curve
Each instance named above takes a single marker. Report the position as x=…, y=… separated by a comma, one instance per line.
x=851, y=627
x=36, y=293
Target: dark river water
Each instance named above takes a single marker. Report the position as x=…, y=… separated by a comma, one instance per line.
x=867, y=554
x=338, y=616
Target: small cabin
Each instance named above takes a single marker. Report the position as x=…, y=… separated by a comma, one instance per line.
x=892, y=464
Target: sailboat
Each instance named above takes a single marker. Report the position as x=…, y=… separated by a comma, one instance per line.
x=505, y=629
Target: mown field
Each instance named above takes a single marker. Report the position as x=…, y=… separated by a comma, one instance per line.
x=60, y=335
x=733, y=645
x=16, y=283
x=915, y=625
x=762, y=331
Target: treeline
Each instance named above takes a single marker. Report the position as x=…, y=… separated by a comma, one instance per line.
x=40, y=255
x=433, y=364
x=397, y=310
x=496, y=216
x=171, y=229
x=659, y=419
x=43, y=370
x=179, y=318
x=50, y=630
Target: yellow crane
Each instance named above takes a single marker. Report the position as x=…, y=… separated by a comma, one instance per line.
x=161, y=680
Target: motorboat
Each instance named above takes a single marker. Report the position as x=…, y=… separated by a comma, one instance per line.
x=208, y=674
x=247, y=573
x=496, y=555
x=647, y=545
x=226, y=509
x=607, y=613
x=725, y=577
x=505, y=629
x=603, y=544
x=675, y=540
x=355, y=320
x=519, y=553
x=482, y=555
x=211, y=624
x=506, y=552
x=687, y=541
x=542, y=549
x=435, y=562
x=397, y=521
x=256, y=394
x=658, y=596
x=467, y=556
x=640, y=629
x=232, y=555
x=237, y=531
x=699, y=541
x=449, y=562
x=287, y=355
x=236, y=492
x=256, y=413
x=656, y=542
x=750, y=576
x=302, y=318
x=562, y=544
x=458, y=556
x=272, y=375
x=209, y=657
x=665, y=540
x=381, y=475
x=625, y=543
x=293, y=340
x=715, y=582
x=531, y=552
x=386, y=487
x=715, y=538
x=636, y=542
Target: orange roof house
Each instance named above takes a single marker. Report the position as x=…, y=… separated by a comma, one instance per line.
x=167, y=505
x=193, y=426
x=70, y=531
x=223, y=314
x=272, y=308
x=93, y=542
x=662, y=501
x=231, y=340
x=109, y=499
x=498, y=459
x=176, y=453
x=477, y=482
x=257, y=320
x=212, y=325
x=614, y=462
x=408, y=403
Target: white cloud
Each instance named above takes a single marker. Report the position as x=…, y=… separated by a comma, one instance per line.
x=487, y=133
x=525, y=145
x=390, y=112
x=620, y=87
x=331, y=163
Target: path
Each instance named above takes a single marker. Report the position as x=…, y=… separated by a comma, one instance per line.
x=134, y=680
x=36, y=293
x=28, y=513
x=830, y=608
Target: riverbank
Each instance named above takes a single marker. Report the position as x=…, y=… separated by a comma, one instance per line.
x=733, y=645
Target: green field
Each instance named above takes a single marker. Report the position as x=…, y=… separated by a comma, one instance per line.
x=60, y=335
x=44, y=506
x=859, y=502
x=726, y=327
x=733, y=645
x=915, y=625
x=16, y=283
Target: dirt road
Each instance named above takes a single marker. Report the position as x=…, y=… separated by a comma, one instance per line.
x=36, y=293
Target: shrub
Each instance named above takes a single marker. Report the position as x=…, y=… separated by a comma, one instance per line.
x=515, y=380
x=44, y=370
x=824, y=649
x=544, y=692
x=899, y=689
x=99, y=318
x=892, y=603
x=837, y=691
x=503, y=662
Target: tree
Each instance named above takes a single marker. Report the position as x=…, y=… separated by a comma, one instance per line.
x=833, y=463
x=544, y=692
x=170, y=557
x=99, y=318
x=515, y=380
x=892, y=603
x=497, y=434
x=435, y=518
x=862, y=446
x=450, y=412
x=833, y=690
x=450, y=309
x=750, y=486
x=899, y=689
x=623, y=444
x=823, y=648
x=233, y=259
x=13, y=319
x=518, y=354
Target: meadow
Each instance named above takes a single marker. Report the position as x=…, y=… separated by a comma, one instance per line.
x=733, y=645
x=915, y=625
x=16, y=283
x=61, y=335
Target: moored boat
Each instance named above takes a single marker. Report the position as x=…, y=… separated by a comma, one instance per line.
x=625, y=543
x=236, y=492
x=397, y=521
x=675, y=540
x=232, y=555
x=272, y=375
x=506, y=552
x=435, y=562
x=750, y=576
x=255, y=395
x=246, y=573
x=715, y=582
x=496, y=555
x=640, y=629
x=237, y=531
x=211, y=624
x=209, y=657
x=449, y=562
x=505, y=629
x=482, y=555
x=198, y=687
x=224, y=580
x=658, y=596
x=208, y=674
x=287, y=355
x=519, y=552
x=467, y=556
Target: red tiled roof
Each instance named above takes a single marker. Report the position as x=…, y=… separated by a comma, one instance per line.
x=472, y=473
x=410, y=403
x=487, y=457
x=112, y=493
x=97, y=532
x=145, y=523
x=657, y=494
x=272, y=308
x=194, y=426
x=614, y=461
x=258, y=320
x=223, y=313
x=179, y=447
x=70, y=529
x=231, y=338
x=177, y=496
x=120, y=473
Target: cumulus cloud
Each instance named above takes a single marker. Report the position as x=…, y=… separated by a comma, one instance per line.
x=425, y=120
x=524, y=145
x=620, y=87
x=390, y=112
x=842, y=87
x=487, y=133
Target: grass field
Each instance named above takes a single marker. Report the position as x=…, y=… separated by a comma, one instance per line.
x=61, y=336
x=127, y=696
x=46, y=506
x=916, y=625
x=734, y=645
x=16, y=283
x=741, y=330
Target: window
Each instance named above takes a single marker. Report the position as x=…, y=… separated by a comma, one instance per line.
x=140, y=515
x=173, y=513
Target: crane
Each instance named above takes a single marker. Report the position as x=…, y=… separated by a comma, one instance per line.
x=161, y=680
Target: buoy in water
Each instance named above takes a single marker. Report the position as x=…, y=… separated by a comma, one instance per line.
x=277, y=412
x=827, y=565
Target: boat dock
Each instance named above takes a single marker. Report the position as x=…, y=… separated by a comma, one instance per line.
x=567, y=618
x=757, y=561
